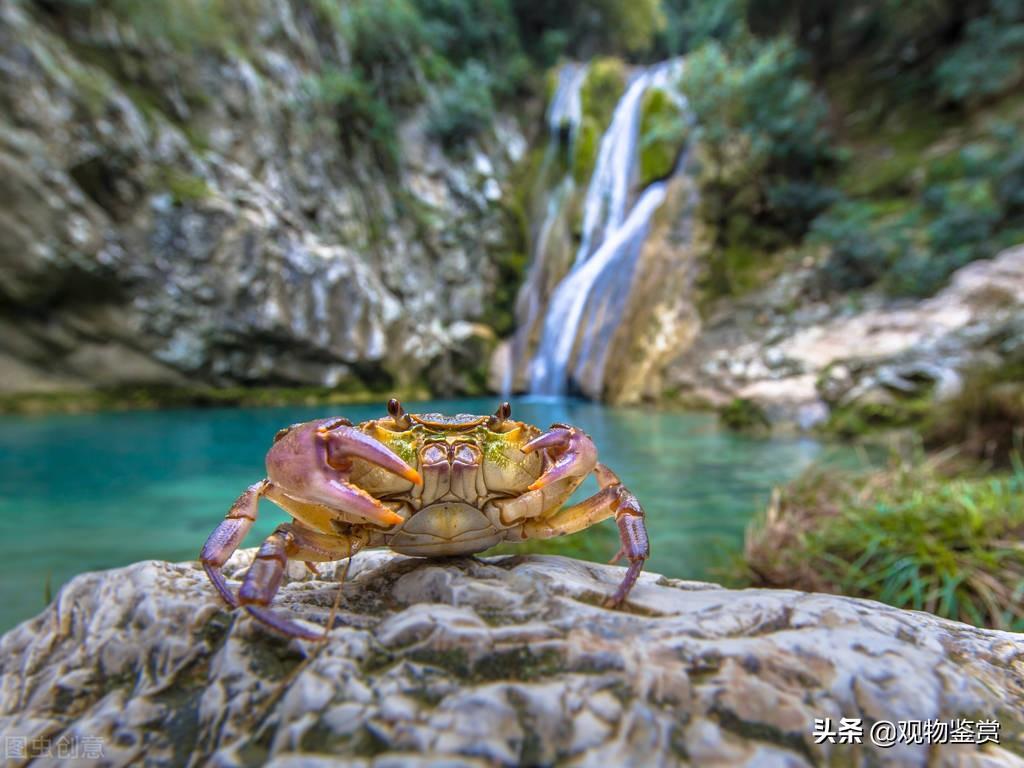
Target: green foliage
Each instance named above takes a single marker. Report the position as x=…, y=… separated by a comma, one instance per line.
x=463, y=109
x=386, y=39
x=990, y=60
x=691, y=23
x=500, y=311
x=895, y=50
x=663, y=134
x=184, y=24
x=858, y=419
x=184, y=187
x=908, y=536
x=361, y=118
x=763, y=146
x=744, y=415
x=865, y=241
x=968, y=202
x=583, y=28
x=602, y=88
x=585, y=149
x=462, y=31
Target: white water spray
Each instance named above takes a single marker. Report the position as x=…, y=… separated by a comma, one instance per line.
x=586, y=307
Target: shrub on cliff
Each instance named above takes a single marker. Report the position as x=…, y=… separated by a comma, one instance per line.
x=463, y=109
x=361, y=119
x=959, y=202
x=763, y=145
x=907, y=536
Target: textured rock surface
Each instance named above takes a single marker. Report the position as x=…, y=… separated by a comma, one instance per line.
x=498, y=662
x=800, y=362
x=174, y=216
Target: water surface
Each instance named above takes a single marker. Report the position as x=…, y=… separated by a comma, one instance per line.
x=83, y=492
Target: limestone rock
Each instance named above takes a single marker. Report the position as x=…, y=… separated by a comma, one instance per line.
x=192, y=216
x=497, y=661
x=790, y=361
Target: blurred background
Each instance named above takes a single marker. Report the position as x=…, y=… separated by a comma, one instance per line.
x=769, y=253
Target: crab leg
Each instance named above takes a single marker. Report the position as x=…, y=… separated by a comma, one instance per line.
x=228, y=535
x=263, y=579
x=613, y=499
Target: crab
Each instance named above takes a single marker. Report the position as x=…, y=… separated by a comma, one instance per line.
x=426, y=485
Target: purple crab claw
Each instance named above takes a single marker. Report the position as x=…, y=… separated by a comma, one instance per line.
x=573, y=452
x=345, y=442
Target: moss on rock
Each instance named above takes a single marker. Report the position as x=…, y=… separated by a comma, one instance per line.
x=185, y=187
x=602, y=88
x=584, y=151
x=663, y=134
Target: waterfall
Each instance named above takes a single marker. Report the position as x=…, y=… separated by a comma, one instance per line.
x=596, y=286
x=563, y=120
x=586, y=306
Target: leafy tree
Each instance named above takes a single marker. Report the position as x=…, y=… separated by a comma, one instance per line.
x=585, y=28
x=763, y=142
x=465, y=108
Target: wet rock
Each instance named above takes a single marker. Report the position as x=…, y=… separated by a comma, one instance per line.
x=497, y=661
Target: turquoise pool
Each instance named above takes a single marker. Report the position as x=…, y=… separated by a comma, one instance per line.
x=82, y=492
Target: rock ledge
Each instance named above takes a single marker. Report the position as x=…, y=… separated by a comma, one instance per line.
x=499, y=661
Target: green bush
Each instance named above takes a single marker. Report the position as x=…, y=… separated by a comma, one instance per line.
x=691, y=23
x=764, y=151
x=907, y=536
x=985, y=420
x=865, y=241
x=361, y=119
x=969, y=205
x=990, y=60
x=463, y=109
x=461, y=31
x=889, y=53
x=744, y=415
x=584, y=27
x=386, y=41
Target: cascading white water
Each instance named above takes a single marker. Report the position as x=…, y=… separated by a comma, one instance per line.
x=592, y=296
x=566, y=109
x=595, y=287
x=563, y=120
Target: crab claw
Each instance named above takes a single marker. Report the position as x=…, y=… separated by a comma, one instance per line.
x=344, y=442
x=574, y=455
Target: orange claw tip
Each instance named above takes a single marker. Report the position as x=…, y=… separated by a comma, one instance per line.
x=537, y=484
x=412, y=476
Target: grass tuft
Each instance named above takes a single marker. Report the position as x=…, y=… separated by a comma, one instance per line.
x=907, y=536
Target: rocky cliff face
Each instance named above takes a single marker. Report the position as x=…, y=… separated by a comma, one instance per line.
x=503, y=661
x=173, y=216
